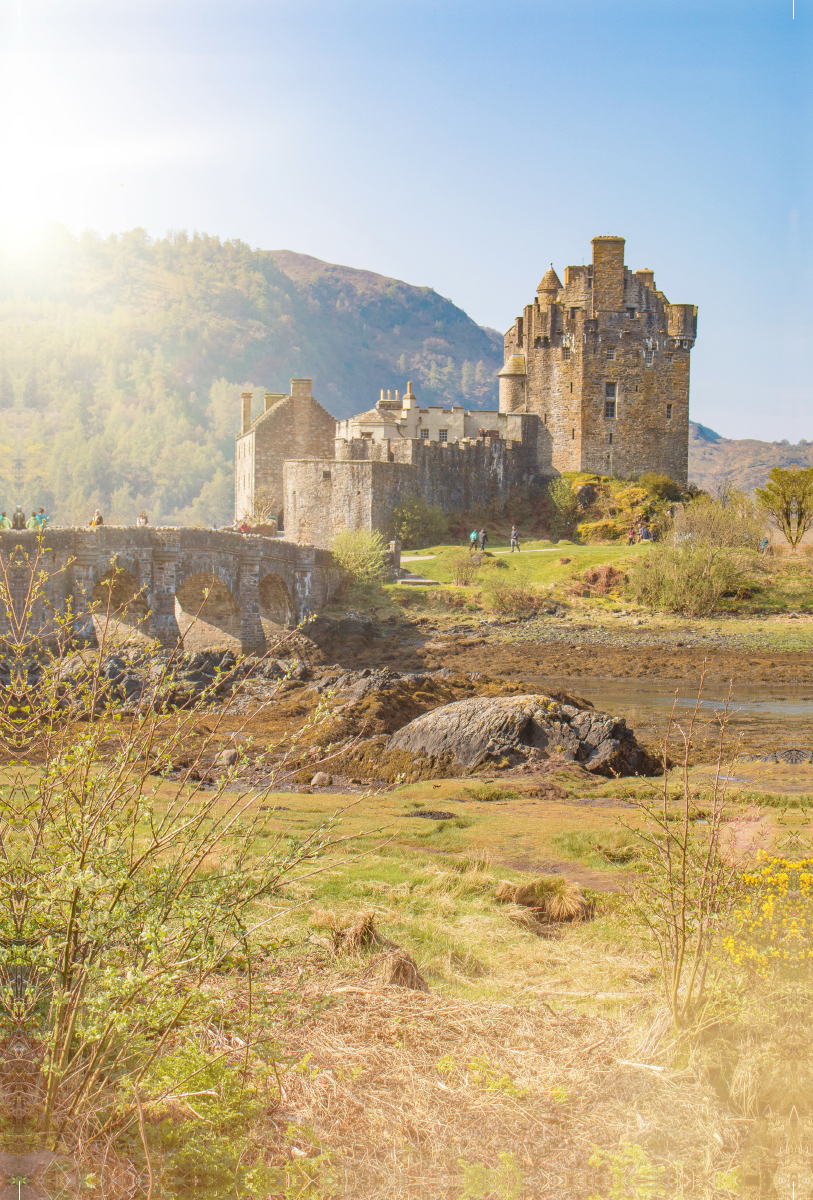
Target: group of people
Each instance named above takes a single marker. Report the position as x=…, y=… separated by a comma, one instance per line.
x=478, y=539
x=642, y=534
x=39, y=519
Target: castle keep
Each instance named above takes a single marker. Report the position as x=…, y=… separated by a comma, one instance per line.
x=595, y=379
x=603, y=360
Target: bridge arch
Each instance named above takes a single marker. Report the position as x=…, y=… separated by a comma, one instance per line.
x=277, y=609
x=120, y=608
x=207, y=613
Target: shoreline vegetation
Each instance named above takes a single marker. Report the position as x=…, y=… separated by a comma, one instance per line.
x=241, y=971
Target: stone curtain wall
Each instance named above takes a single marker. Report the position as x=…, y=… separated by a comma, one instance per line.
x=204, y=588
x=294, y=427
x=367, y=479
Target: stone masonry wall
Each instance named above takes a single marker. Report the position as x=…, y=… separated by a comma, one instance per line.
x=294, y=427
x=367, y=479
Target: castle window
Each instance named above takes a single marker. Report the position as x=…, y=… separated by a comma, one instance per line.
x=669, y=412
x=571, y=388
x=611, y=356
x=573, y=434
x=609, y=409
x=631, y=313
x=573, y=312
x=545, y=419
x=424, y=435
x=649, y=357
x=610, y=391
x=326, y=475
x=566, y=353
x=610, y=439
x=443, y=435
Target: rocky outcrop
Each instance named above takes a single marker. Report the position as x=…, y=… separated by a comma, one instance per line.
x=470, y=732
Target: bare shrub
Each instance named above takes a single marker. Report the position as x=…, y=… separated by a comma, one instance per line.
x=732, y=522
x=516, y=599
x=465, y=568
x=685, y=885
x=128, y=885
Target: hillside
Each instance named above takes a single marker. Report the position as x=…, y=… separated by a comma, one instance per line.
x=745, y=461
x=121, y=362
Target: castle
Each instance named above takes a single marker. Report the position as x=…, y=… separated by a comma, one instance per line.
x=595, y=379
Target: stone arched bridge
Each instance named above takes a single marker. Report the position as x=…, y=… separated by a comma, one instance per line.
x=204, y=587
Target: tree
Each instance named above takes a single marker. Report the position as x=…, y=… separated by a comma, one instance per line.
x=564, y=504
x=787, y=498
x=360, y=554
x=417, y=523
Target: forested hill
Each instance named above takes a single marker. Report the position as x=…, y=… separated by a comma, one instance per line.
x=122, y=360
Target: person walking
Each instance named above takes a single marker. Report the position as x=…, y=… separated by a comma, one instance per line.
x=5, y=521
x=96, y=519
x=472, y=541
x=18, y=520
x=482, y=539
x=630, y=536
x=514, y=539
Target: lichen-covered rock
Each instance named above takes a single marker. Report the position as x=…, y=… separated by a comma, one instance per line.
x=471, y=731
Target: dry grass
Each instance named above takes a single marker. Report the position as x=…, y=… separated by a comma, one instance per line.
x=549, y=899
x=395, y=968
x=403, y=1085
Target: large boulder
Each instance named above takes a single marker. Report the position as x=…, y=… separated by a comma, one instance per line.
x=470, y=732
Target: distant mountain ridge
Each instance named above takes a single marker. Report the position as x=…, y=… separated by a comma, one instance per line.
x=745, y=461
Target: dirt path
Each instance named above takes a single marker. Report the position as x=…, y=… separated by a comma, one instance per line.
x=589, y=877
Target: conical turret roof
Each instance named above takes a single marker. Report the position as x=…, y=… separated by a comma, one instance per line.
x=550, y=281
x=515, y=365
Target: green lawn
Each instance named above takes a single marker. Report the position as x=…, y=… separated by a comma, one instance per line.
x=538, y=562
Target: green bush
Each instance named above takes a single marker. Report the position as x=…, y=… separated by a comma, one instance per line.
x=687, y=577
x=599, y=531
x=417, y=523
x=360, y=554
x=660, y=486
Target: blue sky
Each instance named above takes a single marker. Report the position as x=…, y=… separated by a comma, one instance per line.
x=462, y=144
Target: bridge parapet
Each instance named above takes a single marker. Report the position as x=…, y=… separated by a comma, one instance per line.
x=203, y=587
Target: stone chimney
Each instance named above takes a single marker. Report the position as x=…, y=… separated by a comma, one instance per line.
x=272, y=398
x=301, y=388
x=245, y=402
x=408, y=398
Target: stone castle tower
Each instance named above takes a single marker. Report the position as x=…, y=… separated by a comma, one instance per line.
x=292, y=426
x=603, y=360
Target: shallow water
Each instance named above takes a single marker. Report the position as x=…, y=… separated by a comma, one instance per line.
x=764, y=716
